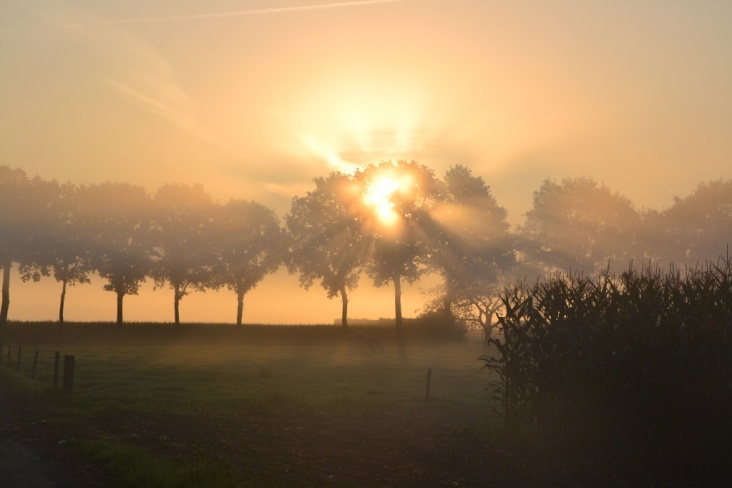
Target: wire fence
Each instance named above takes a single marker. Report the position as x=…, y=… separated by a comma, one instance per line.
x=475, y=336
x=46, y=367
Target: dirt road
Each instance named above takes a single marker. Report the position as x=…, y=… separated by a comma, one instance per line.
x=28, y=460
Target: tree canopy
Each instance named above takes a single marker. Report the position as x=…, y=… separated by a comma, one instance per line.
x=472, y=242
x=118, y=218
x=579, y=225
x=698, y=226
x=398, y=198
x=249, y=245
x=393, y=221
x=25, y=221
x=327, y=244
x=183, y=249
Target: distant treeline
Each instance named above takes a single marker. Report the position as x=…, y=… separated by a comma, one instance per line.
x=393, y=222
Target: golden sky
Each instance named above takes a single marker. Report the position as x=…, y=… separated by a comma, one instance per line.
x=256, y=98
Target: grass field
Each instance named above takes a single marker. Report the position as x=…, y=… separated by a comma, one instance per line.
x=231, y=379
x=231, y=373
x=254, y=410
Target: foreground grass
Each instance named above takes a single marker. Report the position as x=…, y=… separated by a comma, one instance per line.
x=273, y=379
x=135, y=467
x=227, y=381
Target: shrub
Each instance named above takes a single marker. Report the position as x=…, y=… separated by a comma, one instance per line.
x=635, y=368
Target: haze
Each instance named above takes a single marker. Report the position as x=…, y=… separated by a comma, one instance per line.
x=254, y=99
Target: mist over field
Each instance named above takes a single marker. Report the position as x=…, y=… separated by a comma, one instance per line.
x=255, y=102
x=494, y=239
x=173, y=241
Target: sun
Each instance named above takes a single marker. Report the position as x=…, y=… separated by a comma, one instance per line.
x=380, y=193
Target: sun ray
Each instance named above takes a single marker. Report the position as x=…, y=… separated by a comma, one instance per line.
x=381, y=193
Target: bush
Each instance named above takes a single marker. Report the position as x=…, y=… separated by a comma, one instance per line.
x=635, y=368
x=437, y=326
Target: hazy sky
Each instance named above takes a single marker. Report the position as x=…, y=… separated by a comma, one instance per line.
x=256, y=98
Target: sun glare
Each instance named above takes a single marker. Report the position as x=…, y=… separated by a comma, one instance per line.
x=379, y=196
x=350, y=123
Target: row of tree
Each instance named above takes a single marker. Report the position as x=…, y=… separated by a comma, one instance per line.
x=393, y=222
x=179, y=237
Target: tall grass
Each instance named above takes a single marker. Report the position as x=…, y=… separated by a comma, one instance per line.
x=635, y=368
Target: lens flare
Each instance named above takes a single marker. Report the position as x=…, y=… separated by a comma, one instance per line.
x=380, y=196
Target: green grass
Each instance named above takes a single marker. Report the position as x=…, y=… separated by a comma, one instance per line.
x=134, y=466
x=319, y=377
x=19, y=384
x=219, y=379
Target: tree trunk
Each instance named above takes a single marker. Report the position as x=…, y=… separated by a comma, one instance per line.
x=239, y=306
x=5, y=298
x=449, y=298
x=398, y=311
x=488, y=326
x=63, y=301
x=120, y=298
x=176, y=304
x=344, y=309
x=6, y=293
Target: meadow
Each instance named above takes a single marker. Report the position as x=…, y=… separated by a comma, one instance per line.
x=198, y=405
x=585, y=397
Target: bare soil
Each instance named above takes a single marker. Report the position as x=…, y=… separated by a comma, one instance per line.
x=38, y=449
x=32, y=456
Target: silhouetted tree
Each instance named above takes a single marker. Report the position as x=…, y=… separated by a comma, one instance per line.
x=23, y=220
x=698, y=227
x=67, y=249
x=470, y=240
x=397, y=200
x=579, y=225
x=183, y=249
x=118, y=220
x=249, y=244
x=326, y=239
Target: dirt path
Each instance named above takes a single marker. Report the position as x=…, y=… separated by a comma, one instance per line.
x=27, y=460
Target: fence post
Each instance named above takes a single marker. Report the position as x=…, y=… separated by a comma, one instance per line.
x=35, y=363
x=68, y=374
x=8, y=354
x=55, y=370
x=17, y=368
x=427, y=389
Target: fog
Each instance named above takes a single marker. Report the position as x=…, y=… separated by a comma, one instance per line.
x=117, y=236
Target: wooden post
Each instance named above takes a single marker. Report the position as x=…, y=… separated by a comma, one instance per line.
x=427, y=389
x=69, y=374
x=17, y=368
x=8, y=354
x=35, y=363
x=55, y=370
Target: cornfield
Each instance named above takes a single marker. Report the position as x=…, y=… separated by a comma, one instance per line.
x=635, y=368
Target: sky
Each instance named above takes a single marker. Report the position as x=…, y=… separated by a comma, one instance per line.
x=254, y=99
